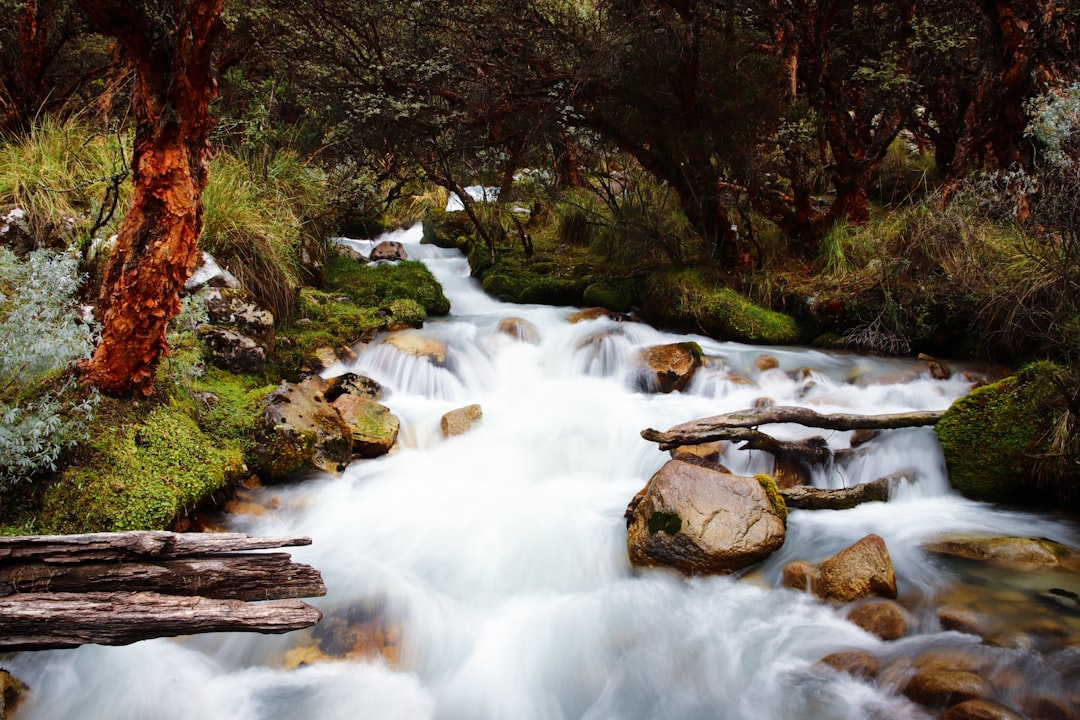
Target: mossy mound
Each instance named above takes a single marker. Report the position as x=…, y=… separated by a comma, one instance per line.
x=687, y=300
x=446, y=229
x=990, y=436
x=140, y=476
x=377, y=286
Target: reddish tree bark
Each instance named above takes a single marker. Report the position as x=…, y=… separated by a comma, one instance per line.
x=169, y=46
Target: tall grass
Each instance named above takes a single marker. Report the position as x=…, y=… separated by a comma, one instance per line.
x=61, y=173
x=254, y=226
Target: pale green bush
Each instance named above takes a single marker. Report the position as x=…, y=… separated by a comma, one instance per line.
x=40, y=338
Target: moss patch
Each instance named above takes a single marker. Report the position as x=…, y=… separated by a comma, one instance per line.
x=775, y=498
x=989, y=436
x=669, y=523
x=687, y=299
x=377, y=286
x=140, y=475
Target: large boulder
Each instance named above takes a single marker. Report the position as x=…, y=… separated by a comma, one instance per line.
x=667, y=368
x=299, y=430
x=862, y=570
x=992, y=436
x=374, y=428
x=698, y=519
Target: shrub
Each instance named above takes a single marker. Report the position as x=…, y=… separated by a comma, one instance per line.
x=40, y=413
x=66, y=175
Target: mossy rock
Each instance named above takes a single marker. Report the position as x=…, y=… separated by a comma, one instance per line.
x=142, y=475
x=379, y=285
x=620, y=297
x=445, y=229
x=990, y=435
x=686, y=299
x=775, y=498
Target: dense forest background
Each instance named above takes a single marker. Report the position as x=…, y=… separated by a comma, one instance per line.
x=898, y=177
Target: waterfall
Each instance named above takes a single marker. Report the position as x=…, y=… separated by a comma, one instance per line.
x=496, y=560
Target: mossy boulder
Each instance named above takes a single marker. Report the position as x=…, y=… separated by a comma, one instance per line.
x=374, y=427
x=299, y=430
x=689, y=300
x=617, y=296
x=698, y=519
x=989, y=437
x=446, y=229
x=141, y=475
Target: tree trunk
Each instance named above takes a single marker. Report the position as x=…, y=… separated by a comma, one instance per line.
x=170, y=50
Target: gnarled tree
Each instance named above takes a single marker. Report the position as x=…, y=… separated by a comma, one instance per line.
x=169, y=45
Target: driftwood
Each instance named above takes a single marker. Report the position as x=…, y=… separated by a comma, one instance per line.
x=38, y=621
x=118, y=588
x=738, y=426
x=810, y=498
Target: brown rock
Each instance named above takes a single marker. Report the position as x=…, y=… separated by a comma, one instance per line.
x=12, y=691
x=519, y=329
x=979, y=710
x=388, y=250
x=460, y=421
x=765, y=363
x=884, y=618
x=593, y=313
x=712, y=452
x=853, y=662
x=419, y=345
x=961, y=619
x=945, y=688
x=859, y=571
x=799, y=575
x=1015, y=552
x=861, y=437
x=953, y=659
x=698, y=519
x=374, y=427
x=667, y=368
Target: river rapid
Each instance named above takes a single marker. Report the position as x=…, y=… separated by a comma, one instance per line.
x=493, y=565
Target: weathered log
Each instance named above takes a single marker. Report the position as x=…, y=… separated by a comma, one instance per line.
x=810, y=498
x=131, y=545
x=262, y=576
x=730, y=426
x=37, y=621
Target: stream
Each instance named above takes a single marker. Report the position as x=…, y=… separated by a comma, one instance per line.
x=485, y=576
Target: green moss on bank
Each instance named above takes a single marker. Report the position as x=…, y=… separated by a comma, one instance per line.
x=141, y=475
x=989, y=436
x=687, y=300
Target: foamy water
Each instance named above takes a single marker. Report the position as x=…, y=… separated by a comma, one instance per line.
x=500, y=555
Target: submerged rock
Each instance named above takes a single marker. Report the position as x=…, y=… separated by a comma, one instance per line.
x=519, y=329
x=885, y=618
x=700, y=520
x=944, y=688
x=419, y=345
x=858, y=663
x=979, y=710
x=300, y=430
x=1014, y=552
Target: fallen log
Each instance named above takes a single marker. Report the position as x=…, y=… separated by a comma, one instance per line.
x=128, y=545
x=42, y=621
x=810, y=498
x=730, y=426
x=265, y=576
x=118, y=588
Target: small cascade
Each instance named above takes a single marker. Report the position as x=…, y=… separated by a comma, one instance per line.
x=485, y=576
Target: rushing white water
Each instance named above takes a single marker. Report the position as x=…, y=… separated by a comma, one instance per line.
x=498, y=557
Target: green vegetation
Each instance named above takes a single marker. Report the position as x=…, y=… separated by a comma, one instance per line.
x=687, y=299
x=669, y=523
x=993, y=437
x=140, y=475
x=775, y=498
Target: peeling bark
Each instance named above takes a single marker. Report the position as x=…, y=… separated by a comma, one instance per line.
x=170, y=49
